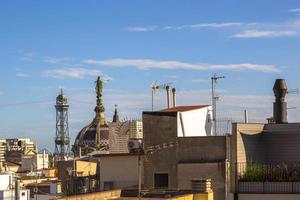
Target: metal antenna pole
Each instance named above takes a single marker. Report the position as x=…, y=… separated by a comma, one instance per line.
x=213, y=103
x=214, y=100
x=140, y=176
x=152, y=99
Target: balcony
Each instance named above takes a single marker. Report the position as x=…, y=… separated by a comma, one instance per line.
x=268, y=178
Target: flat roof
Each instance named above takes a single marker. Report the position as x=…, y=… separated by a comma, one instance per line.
x=183, y=108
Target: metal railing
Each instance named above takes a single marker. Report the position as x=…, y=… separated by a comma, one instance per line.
x=268, y=178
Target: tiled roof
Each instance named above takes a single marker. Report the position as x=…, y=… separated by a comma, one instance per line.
x=184, y=108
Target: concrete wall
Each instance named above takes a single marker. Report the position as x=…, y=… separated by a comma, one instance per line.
x=282, y=142
x=202, y=149
x=213, y=171
x=159, y=129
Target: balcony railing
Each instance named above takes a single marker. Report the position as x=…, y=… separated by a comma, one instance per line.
x=268, y=178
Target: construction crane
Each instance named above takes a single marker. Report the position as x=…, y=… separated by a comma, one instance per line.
x=155, y=86
x=215, y=98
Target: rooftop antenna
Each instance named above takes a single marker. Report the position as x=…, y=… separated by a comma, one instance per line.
x=293, y=91
x=215, y=98
x=156, y=86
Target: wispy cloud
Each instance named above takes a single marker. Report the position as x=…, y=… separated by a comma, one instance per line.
x=76, y=73
x=52, y=60
x=294, y=10
x=188, y=26
x=264, y=34
x=27, y=56
x=237, y=29
x=211, y=25
x=200, y=80
x=141, y=29
x=21, y=73
x=158, y=64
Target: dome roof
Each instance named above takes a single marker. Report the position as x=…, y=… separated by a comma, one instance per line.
x=87, y=135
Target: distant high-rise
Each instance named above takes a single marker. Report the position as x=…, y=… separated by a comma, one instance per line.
x=62, y=139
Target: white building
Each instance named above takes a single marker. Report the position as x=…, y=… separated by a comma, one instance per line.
x=136, y=129
x=193, y=120
x=35, y=162
x=7, y=191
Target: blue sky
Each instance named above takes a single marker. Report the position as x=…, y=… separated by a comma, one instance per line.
x=46, y=45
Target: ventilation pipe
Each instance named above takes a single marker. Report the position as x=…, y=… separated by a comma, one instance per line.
x=246, y=116
x=168, y=96
x=174, y=97
x=280, y=104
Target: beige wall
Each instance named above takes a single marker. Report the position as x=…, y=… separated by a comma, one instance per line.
x=121, y=170
x=238, y=152
x=84, y=168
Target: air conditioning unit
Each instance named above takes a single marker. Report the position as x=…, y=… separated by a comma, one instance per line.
x=135, y=146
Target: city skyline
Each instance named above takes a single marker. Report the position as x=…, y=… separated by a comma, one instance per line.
x=47, y=46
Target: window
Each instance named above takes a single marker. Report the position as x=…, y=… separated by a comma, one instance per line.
x=161, y=180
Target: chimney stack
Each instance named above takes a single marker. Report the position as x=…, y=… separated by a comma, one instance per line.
x=174, y=97
x=280, y=104
x=168, y=96
x=246, y=116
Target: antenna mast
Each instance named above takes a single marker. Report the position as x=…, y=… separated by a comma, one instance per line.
x=214, y=98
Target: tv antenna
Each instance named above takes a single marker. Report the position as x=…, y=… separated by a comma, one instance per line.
x=155, y=86
x=215, y=98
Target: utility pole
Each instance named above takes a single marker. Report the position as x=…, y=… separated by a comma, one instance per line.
x=214, y=99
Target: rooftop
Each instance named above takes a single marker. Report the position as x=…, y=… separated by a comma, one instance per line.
x=184, y=108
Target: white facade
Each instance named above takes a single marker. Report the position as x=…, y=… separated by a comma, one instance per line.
x=10, y=194
x=195, y=122
x=136, y=129
x=6, y=181
x=35, y=162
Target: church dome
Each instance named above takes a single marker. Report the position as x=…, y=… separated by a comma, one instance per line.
x=94, y=136
x=87, y=137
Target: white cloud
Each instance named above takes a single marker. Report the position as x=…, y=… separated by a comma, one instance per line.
x=21, y=74
x=294, y=10
x=211, y=25
x=230, y=105
x=158, y=64
x=27, y=56
x=200, y=80
x=189, y=26
x=264, y=34
x=141, y=29
x=77, y=73
x=239, y=29
x=52, y=60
